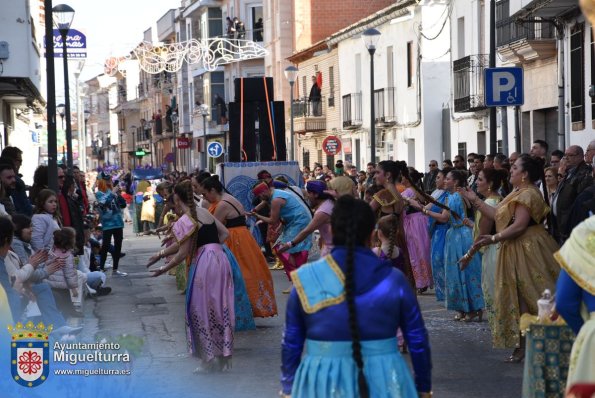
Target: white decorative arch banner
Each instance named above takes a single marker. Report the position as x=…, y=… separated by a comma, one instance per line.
x=212, y=53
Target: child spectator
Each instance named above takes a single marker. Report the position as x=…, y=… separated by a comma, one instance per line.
x=67, y=278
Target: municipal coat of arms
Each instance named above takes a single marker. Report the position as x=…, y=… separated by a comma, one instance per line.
x=30, y=353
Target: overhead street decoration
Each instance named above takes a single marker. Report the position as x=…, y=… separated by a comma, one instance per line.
x=212, y=53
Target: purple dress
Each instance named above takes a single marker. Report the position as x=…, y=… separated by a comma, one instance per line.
x=418, y=244
x=210, y=315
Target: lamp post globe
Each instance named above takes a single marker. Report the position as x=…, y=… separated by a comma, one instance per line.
x=370, y=38
x=204, y=111
x=62, y=17
x=291, y=75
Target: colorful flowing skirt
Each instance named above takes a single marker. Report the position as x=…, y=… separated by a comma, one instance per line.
x=210, y=316
x=327, y=369
x=525, y=267
x=418, y=245
x=437, y=255
x=243, y=309
x=463, y=288
x=255, y=271
x=488, y=281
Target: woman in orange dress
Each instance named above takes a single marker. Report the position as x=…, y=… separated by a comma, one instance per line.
x=258, y=279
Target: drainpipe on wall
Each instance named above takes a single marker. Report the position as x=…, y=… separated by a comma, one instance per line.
x=561, y=111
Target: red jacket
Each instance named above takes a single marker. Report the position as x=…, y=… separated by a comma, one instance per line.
x=64, y=211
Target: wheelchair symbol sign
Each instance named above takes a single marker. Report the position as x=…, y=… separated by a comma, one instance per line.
x=504, y=87
x=214, y=149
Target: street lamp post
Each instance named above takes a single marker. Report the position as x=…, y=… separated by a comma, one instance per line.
x=51, y=99
x=60, y=110
x=370, y=38
x=174, y=121
x=204, y=111
x=291, y=74
x=87, y=115
x=151, y=123
x=63, y=15
x=121, y=150
x=133, y=132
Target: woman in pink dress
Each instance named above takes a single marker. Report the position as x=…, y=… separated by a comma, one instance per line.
x=210, y=314
x=416, y=231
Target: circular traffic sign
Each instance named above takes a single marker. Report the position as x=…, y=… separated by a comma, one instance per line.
x=331, y=145
x=214, y=149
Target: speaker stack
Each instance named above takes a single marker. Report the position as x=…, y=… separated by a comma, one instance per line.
x=256, y=122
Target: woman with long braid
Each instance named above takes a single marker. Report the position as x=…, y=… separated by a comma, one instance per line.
x=210, y=315
x=389, y=201
x=348, y=348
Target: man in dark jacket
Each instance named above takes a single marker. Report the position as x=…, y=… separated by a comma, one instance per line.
x=430, y=177
x=18, y=193
x=578, y=178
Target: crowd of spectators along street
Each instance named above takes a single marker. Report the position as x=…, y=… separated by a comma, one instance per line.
x=54, y=244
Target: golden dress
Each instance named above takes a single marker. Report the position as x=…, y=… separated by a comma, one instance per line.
x=525, y=265
x=255, y=271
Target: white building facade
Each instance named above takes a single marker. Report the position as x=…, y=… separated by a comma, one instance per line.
x=411, y=72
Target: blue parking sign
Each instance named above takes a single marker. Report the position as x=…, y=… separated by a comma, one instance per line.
x=504, y=87
x=214, y=149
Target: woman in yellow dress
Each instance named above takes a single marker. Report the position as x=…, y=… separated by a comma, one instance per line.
x=525, y=264
x=259, y=281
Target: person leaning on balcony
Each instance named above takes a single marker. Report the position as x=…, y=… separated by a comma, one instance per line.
x=315, y=98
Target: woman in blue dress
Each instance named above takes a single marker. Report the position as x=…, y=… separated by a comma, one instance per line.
x=346, y=309
x=463, y=288
x=438, y=228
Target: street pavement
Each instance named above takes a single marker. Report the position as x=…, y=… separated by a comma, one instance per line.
x=152, y=311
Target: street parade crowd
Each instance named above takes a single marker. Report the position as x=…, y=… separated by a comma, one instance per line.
x=491, y=236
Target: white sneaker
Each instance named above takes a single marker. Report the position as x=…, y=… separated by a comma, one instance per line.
x=119, y=273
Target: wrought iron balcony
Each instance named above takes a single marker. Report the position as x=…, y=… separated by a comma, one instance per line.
x=469, y=82
x=352, y=111
x=525, y=39
x=384, y=110
x=309, y=115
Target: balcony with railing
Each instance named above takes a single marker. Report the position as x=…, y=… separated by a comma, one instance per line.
x=309, y=115
x=384, y=109
x=469, y=90
x=527, y=39
x=352, y=111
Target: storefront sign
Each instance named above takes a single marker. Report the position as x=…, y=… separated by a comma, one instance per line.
x=76, y=44
x=331, y=145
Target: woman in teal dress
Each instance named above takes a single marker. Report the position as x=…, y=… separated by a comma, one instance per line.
x=463, y=287
x=333, y=344
x=438, y=234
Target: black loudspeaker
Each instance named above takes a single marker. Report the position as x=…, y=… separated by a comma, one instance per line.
x=269, y=128
x=254, y=89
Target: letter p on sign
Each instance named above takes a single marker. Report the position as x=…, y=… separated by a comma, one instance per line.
x=504, y=82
